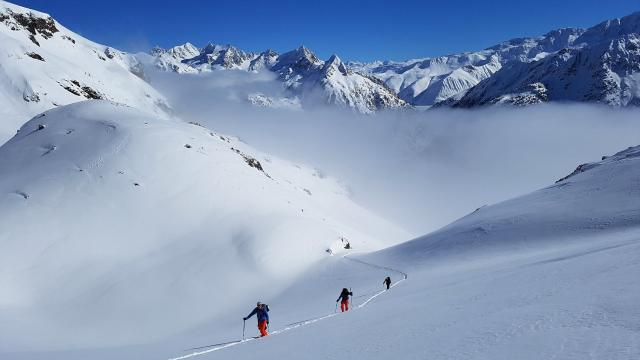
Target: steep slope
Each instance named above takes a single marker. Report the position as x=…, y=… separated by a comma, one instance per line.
x=119, y=228
x=312, y=80
x=604, y=68
x=43, y=65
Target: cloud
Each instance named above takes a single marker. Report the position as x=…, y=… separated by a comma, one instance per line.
x=421, y=170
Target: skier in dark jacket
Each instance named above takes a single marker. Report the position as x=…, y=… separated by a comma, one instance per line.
x=387, y=281
x=344, y=295
x=262, y=312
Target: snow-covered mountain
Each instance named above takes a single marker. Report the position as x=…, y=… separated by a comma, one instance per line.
x=306, y=78
x=602, y=67
x=599, y=64
x=216, y=56
x=171, y=59
x=108, y=211
x=44, y=65
x=425, y=82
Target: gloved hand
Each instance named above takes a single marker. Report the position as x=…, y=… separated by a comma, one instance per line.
x=245, y=319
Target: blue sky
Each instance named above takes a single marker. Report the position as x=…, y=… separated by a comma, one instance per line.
x=355, y=30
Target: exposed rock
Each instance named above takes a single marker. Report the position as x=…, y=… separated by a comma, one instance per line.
x=35, y=25
x=35, y=56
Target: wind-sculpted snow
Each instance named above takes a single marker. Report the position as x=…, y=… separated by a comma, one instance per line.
x=120, y=228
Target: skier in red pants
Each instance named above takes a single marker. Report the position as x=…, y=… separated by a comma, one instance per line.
x=262, y=312
x=344, y=295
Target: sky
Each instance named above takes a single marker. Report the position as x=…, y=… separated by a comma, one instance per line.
x=355, y=30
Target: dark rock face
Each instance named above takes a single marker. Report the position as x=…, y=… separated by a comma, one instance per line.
x=89, y=93
x=35, y=56
x=252, y=162
x=78, y=89
x=35, y=25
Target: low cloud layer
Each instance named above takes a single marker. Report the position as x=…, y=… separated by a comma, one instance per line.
x=421, y=170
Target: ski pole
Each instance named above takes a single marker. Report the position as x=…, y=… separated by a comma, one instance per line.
x=336, y=309
x=244, y=322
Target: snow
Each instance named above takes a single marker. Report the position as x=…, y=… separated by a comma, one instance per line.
x=601, y=72
x=548, y=274
x=127, y=234
x=29, y=86
x=426, y=82
x=551, y=274
x=106, y=207
x=309, y=81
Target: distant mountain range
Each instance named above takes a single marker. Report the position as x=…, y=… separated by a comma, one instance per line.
x=306, y=78
x=599, y=64
x=43, y=65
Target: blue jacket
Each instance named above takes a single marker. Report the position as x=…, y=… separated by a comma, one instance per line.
x=263, y=314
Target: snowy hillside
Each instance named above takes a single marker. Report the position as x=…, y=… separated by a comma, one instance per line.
x=43, y=65
x=108, y=212
x=552, y=274
x=307, y=79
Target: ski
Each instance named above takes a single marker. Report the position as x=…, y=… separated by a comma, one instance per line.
x=300, y=322
x=221, y=344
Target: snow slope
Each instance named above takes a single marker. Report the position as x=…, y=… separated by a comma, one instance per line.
x=44, y=65
x=119, y=228
x=551, y=274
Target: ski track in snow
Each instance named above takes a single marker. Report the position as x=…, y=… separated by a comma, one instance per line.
x=296, y=325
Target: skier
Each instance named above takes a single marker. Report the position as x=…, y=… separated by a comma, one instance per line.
x=387, y=281
x=262, y=312
x=344, y=295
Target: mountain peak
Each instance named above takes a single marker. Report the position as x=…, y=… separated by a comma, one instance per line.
x=334, y=59
x=300, y=58
x=211, y=48
x=334, y=62
x=610, y=29
x=157, y=50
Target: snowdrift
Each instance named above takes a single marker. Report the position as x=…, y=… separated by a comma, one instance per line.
x=118, y=228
